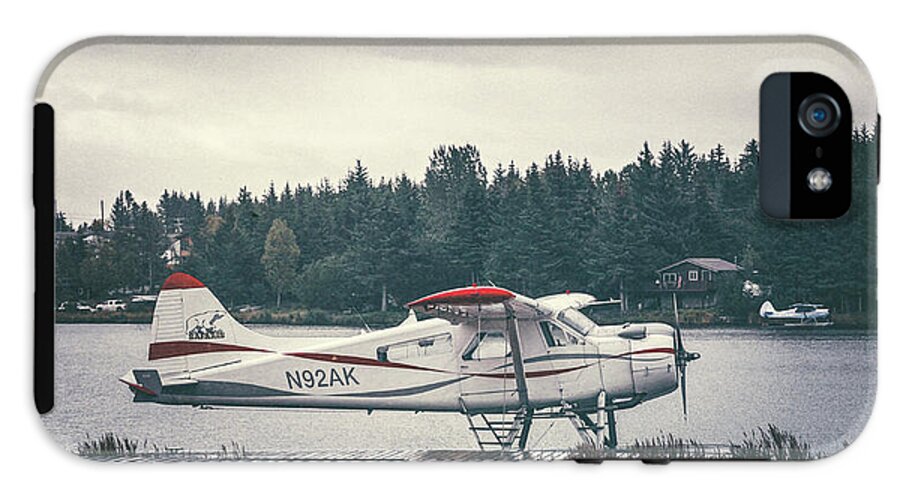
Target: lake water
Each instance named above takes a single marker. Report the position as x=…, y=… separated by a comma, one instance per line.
x=818, y=384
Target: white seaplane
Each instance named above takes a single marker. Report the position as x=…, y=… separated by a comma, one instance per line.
x=500, y=358
x=798, y=315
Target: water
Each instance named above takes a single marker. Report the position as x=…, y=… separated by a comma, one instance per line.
x=818, y=384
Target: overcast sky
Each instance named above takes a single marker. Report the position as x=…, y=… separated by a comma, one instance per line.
x=212, y=118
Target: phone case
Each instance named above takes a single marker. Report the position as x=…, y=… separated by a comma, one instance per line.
x=441, y=249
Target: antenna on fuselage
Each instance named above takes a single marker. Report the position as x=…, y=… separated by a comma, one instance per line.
x=368, y=329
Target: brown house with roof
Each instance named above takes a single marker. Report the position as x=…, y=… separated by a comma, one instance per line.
x=696, y=281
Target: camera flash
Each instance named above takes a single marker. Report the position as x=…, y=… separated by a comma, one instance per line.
x=818, y=180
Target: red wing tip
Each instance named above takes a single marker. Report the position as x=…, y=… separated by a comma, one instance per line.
x=466, y=296
x=181, y=280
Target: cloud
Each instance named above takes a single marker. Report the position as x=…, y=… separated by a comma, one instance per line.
x=216, y=117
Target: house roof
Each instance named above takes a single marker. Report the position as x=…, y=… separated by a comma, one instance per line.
x=711, y=264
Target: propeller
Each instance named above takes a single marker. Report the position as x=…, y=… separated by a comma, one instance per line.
x=682, y=358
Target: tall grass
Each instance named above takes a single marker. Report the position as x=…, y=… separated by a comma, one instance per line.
x=771, y=442
x=110, y=445
x=762, y=443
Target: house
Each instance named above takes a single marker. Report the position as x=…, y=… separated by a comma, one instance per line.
x=697, y=282
x=175, y=254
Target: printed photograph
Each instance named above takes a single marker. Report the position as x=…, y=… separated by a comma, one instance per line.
x=450, y=251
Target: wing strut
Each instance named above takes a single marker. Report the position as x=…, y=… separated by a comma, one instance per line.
x=512, y=331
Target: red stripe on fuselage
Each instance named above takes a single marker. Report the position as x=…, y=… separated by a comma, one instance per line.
x=343, y=359
x=529, y=374
x=664, y=350
x=162, y=350
x=179, y=348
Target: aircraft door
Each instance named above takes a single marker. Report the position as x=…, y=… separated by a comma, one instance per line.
x=488, y=381
x=571, y=358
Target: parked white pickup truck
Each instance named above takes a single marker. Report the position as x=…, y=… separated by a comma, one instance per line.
x=111, y=305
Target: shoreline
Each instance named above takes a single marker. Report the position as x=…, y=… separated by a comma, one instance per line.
x=292, y=317
x=380, y=320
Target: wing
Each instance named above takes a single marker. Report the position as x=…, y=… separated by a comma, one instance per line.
x=478, y=302
x=575, y=300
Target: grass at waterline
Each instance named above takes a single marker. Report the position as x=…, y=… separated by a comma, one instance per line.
x=320, y=317
x=104, y=317
x=711, y=318
x=110, y=445
x=690, y=319
x=286, y=316
x=770, y=442
x=762, y=443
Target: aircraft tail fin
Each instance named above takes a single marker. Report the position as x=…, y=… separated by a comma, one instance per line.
x=191, y=330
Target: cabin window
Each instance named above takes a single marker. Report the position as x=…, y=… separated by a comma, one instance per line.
x=670, y=278
x=417, y=348
x=488, y=344
x=693, y=275
x=553, y=335
x=577, y=321
x=706, y=275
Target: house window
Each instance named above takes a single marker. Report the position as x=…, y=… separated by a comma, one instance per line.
x=418, y=348
x=670, y=278
x=693, y=275
x=488, y=344
x=706, y=275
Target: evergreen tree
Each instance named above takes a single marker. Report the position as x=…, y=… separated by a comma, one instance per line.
x=540, y=229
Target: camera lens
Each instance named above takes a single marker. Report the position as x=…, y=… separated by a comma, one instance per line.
x=819, y=115
x=818, y=180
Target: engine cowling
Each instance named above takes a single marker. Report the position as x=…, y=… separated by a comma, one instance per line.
x=639, y=361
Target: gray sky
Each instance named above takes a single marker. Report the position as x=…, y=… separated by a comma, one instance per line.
x=212, y=118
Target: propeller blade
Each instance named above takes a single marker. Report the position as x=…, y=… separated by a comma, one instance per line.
x=683, y=370
x=678, y=342
x=682, y=358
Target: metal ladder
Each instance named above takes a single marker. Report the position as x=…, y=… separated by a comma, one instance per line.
x=495, y=431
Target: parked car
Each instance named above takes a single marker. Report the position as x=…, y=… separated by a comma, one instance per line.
x=143, y=299
x=84, y=307
x=248, y=308
x=112, y=305
x=72, y=306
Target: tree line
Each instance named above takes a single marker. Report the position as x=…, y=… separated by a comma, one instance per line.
x=539, y=229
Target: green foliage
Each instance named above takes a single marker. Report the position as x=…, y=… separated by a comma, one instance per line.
x=538, y=229
x=280, y=257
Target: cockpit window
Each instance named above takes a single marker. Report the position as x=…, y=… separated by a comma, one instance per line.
x=577, y=320
x=553, y=335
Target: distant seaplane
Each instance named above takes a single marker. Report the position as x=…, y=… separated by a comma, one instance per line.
x=798, y=314
x=501, y=359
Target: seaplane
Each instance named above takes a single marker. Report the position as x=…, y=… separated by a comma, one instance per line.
x=501, y=359
x=798, y=314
